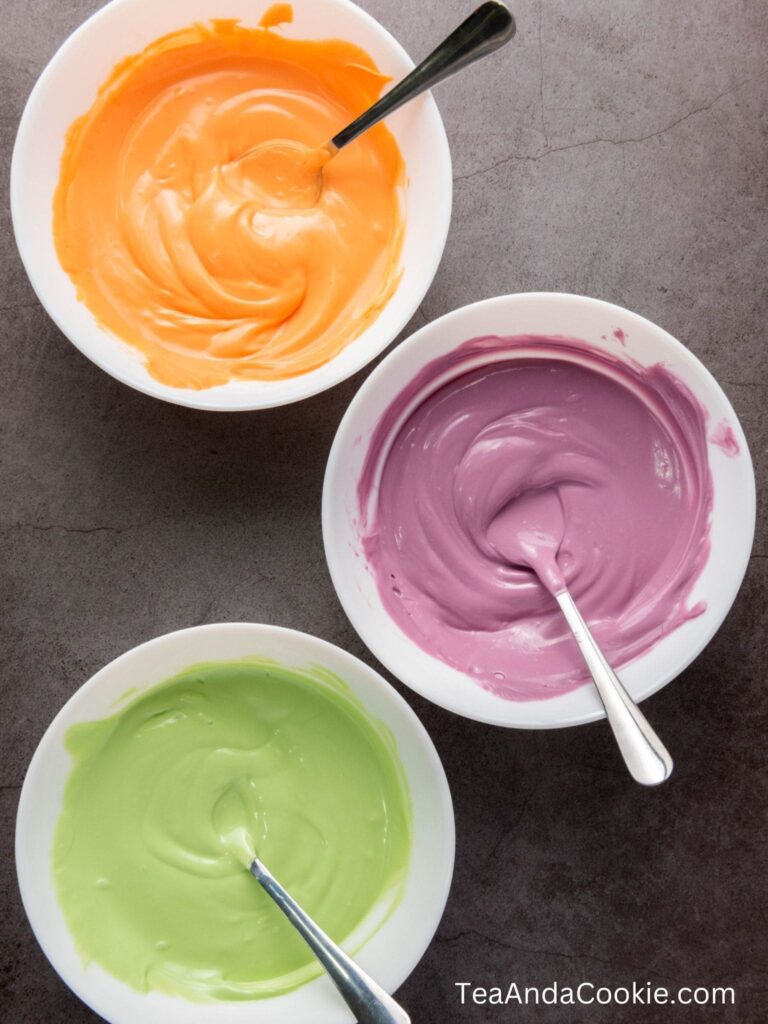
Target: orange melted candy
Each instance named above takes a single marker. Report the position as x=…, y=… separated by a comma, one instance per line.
x=160, y=221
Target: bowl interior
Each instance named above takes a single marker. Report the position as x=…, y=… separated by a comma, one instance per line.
x=732, y=525
x=393, y=951
x=69, y=85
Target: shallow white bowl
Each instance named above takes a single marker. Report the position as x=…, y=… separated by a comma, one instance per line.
x=392, y=952
x=67, y=88
x=732, y=528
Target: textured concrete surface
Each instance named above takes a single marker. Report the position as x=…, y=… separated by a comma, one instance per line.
x=618, y=149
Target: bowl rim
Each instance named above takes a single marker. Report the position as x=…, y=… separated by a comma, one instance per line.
x=210, y=399
x=313, y=646
x=349, y=429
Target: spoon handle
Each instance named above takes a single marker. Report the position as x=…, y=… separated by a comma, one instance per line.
x=646, y=757
x=484, y=31
x=367, y=1000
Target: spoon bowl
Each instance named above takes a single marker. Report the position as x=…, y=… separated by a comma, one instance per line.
x=528, y=532
x=282, y=173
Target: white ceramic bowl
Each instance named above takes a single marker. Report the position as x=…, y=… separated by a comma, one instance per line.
x=67, y=88
x=392, y=952
x=732, y=528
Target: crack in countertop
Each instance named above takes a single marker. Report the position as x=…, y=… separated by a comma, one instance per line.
x=533, y=158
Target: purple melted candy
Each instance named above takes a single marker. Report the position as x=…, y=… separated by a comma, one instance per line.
x=623, y=447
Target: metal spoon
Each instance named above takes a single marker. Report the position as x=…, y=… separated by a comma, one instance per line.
x=292, y=174
x=367, y=1000
x=528, y=532
x=484, y=31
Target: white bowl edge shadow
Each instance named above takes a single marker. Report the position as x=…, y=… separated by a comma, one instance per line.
x=67, y=87
x=390, y=955
x=592, y=320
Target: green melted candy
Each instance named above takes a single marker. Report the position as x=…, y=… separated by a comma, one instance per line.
x=168, y=798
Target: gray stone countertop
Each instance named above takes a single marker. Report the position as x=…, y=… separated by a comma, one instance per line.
x=617, y=149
